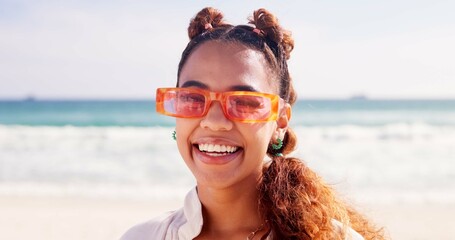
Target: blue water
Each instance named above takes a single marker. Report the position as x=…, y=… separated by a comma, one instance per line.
x=305, y=113
x=81, y=113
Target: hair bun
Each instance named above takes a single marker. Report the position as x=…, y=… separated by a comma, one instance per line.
x=268, y=23
x=205, y=20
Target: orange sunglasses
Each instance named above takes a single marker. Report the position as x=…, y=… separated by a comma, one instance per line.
x=241, y=106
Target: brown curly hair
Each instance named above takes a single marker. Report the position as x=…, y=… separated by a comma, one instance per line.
x=294, y=200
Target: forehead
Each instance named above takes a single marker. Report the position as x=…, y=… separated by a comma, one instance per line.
x=221, y=65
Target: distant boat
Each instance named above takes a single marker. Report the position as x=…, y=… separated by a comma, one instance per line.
x=30, y=98
x=358, y=97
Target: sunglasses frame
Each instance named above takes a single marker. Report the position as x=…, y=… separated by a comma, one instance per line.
x=221, y=97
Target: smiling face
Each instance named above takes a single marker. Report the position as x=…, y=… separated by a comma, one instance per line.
x=220, y=152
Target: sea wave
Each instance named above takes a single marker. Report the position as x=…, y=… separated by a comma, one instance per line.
x=393, y=162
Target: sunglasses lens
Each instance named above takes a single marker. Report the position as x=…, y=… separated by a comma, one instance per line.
x=184, y=103
x=248, y=107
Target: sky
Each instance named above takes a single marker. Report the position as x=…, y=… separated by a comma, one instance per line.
x=126, y=49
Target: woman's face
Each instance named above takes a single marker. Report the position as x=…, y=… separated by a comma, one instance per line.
x=221, y=67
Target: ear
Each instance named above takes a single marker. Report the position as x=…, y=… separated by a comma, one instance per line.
x=282, y=122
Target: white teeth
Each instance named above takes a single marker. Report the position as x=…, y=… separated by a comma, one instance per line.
x=216, y=148
x=210, y=148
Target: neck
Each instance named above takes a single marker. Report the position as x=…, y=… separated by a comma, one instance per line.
x=230, y=211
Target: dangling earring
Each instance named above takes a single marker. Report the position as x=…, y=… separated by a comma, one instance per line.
x=278, y=146
x=174, y=135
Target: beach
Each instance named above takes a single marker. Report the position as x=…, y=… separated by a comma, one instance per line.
x=415, y=221
x=54, y=218
x=86, y=170
x=84, y=154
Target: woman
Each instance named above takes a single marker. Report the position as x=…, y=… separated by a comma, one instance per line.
x=232, y=106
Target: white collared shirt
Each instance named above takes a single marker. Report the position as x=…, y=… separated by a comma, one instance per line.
x=186, y=223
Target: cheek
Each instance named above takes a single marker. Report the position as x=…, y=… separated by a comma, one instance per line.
x=258, y=137
x=184, y=128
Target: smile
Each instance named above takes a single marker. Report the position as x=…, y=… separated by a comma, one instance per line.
x=216, y=154
x=216, y=149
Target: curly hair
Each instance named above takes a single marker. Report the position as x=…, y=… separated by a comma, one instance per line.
x=294, y=200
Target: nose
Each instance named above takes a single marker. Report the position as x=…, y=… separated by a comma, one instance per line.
x=215, y=119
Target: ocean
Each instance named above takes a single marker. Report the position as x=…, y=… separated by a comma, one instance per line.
x=369, y=150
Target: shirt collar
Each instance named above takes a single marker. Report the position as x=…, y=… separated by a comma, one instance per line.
x=192, y=210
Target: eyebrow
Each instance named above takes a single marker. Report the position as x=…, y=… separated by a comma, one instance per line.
x=243, y=88
x=194, y=83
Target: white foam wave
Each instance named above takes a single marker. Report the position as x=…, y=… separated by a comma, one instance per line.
x=395, y=162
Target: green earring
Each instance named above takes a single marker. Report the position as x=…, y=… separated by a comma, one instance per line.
x=174, y=135
x=278, y=145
